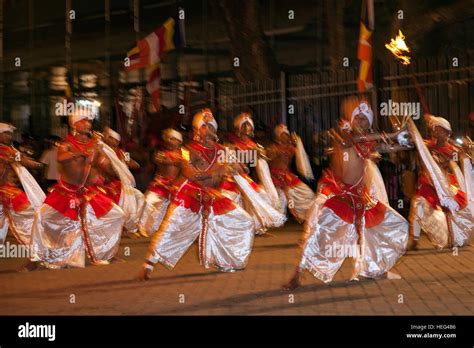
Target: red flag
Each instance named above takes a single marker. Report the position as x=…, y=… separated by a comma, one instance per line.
x=151, y=49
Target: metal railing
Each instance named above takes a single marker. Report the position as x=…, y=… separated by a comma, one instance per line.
x=310, y=103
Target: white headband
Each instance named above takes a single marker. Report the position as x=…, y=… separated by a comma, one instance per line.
x=171, y=133
x=5, y=127
x=79, y=116
x=281, y=128
x=203, y=117
x=110, y=132
x=364, y=109
x=241, y=119
x=441, y=122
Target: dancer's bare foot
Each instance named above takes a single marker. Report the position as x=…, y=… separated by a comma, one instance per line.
x=117, y=259
x=393, y=275
x=100, y=262
x=294, y=283
x=134, y=235
x=145, y=274
x=354, y=276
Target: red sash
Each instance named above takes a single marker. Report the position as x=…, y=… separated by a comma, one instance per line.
x=428, y=191
x=13, y=197
x=283, y=178
x=194, y=196
x=351, y=203
x=113, y=189
x=67, y=199
x=10, y=195
x=164, y=187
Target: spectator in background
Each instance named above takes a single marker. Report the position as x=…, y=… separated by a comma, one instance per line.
x=49, y=159
x=28, y=145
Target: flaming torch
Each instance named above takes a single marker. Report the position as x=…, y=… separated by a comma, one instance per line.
x=400, y=50
x=398, y=47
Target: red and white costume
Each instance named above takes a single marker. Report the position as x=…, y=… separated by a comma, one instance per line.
x=124, y=194
x=353, y=220
x=76, y=220
x=160, y=192
x=225, y=231
x=158, y=197
x=17, y=207
x=440, y=206
x=16, y=213
x=293, y=193
x=264, y=214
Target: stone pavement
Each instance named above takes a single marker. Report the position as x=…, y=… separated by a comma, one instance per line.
x=433, y=283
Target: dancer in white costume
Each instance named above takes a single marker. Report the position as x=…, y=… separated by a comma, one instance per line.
x=124, y=194
x=440, y=206
x=17, y=205
x=293, y=193
x=77, y=218
x=248, y=153
x=199, y=210
x=350, y=216
x=163, y=187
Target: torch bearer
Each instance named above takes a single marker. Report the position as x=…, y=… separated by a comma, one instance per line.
x=400, y=50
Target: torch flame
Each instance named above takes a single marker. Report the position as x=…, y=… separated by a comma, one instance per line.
x=398, y=47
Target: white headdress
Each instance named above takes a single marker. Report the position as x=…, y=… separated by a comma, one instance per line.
x=202, y=117
x=111, y=133
x=171, y=133
x=364, y=109
x=6, y=127
x=241, y=119
x=80, y=115
x=441, y=122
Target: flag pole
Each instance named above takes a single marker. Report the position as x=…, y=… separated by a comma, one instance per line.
x=31, y=28
x=365, y=54
x=108, y=65
x=136, y=28
x=2, y=87
x=375, y=109
x=67, y=45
